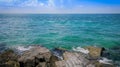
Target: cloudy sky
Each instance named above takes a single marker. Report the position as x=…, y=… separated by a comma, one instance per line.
x=59, y=6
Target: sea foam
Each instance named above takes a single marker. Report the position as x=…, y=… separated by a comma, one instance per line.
x=23, y=48
x=80, y=49
x=105, y=61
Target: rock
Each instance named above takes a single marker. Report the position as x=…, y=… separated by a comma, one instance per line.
x=53, y=59
x=72, y=59
x=97, y=64
x=8, y=58
x=8, y=55
x=60, y=64
x=36, y=56
x=39, y=56
x=57, y=56
x=3, y=65
x=75, y=59
x=90, y=65
x=43, y=64
x=94, y=52
x=58, y=52
x=12, y=64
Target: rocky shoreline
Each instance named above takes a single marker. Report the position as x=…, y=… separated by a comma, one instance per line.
x=38, y=56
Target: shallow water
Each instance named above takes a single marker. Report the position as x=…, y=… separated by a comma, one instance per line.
x=60, y=30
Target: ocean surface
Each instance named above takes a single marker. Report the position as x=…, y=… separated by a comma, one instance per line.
x=60, y=30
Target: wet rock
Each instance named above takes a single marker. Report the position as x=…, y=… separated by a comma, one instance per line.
x=94, y=52
x=58, y=52
x=113, y=54
x=35, y=57
x=97, y=64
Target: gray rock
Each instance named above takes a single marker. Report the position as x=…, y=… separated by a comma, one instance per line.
x=35, y=56
x=43, y=64
x=72, y=59
x=75, y=59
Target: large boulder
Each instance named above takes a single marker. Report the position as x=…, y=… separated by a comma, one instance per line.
x=36, y=56
x=94, y=52
x=72, y=59
x=75, y=59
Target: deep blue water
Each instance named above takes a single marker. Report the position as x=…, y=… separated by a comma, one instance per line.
x=60, y=30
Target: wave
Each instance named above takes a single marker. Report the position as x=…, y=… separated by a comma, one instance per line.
x=23, y=48
x=80, y=49
x=105, y=61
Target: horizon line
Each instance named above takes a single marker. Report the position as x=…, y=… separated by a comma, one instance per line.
x=59, y=13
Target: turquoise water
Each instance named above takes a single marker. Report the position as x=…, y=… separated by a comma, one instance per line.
x=60, y=30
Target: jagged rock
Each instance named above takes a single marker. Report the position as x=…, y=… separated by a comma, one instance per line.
x=94, y=52
x=43, y=64
x=58, y=52
x=75, y=59
x=35, y=56
x=72, y=59
x=39, y=56
x=53, y=59
x=12, y=64
x=7, y=56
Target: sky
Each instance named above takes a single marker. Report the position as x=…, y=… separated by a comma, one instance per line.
x=59, y=6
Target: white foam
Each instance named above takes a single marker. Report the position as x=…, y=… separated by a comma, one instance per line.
x=79, y=49
x=105, y=61
x=22, y=48
x=60, y=57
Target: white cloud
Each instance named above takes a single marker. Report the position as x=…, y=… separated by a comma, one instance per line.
x=32, y=3
x=36, y=4
x=51, y=3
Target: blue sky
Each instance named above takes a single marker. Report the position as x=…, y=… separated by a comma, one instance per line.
x=59, y=6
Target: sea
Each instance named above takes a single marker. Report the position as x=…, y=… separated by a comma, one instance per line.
x=61, y=30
